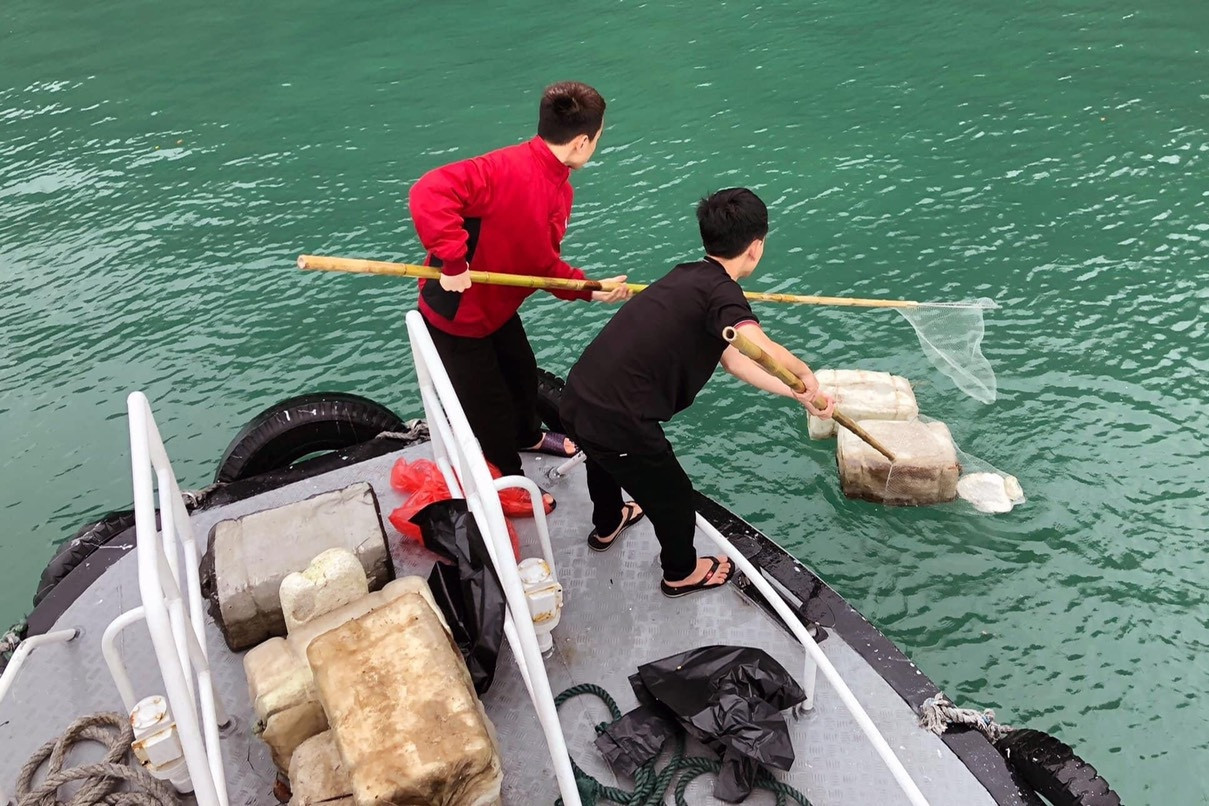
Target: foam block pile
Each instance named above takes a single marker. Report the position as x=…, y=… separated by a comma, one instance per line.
x=927, y=469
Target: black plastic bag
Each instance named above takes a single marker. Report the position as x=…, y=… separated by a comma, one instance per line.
x=465, y=586
x=636, y=738
x=729, y=698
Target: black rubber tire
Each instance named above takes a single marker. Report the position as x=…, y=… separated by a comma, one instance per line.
x=1051, y=768
x=287, y=431
x=88, y=539
x=549, y=395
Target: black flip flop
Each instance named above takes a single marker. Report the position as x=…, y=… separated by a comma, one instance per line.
x=628, y=520
x=552, y=444
x=553, y=500
x=703, y=585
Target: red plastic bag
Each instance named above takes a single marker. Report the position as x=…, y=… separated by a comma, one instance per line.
x=515, y=502
x=422, y=474
x=426, y=485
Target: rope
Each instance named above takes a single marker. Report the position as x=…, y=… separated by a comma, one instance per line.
x=195, y=498
x=650, y=784
x=13, y=638
x=937, y=713
x=100, y=780
x=415, y=430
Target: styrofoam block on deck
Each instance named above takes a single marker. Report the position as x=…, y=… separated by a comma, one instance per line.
x=280, y=684
x=333, y=579
x=404, y=713
x=863, y=395
x=253, y=554
x=925, y=470
x=318, y=774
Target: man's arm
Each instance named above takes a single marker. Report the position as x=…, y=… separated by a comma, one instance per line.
x=440, y=203
x=748, y=371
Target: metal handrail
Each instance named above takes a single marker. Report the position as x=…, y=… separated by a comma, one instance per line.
x=816, y=659
x=458, y=455
x=174, y=616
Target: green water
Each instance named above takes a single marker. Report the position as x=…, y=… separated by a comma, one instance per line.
x=162, y=164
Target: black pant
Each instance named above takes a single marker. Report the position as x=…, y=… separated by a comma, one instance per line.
x=495, y=378
x=660, y=486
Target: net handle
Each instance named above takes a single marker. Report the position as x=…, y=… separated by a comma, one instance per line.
x=773, y=367
x=356, y=266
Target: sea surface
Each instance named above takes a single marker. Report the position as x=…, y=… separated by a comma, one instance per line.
x=162, y=164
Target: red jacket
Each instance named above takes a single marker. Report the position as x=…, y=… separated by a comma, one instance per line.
x=507, y=212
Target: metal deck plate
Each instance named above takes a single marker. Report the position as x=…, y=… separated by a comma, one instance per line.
x=614, y=619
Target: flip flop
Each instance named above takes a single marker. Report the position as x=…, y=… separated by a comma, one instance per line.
x=552, y=444
x=703, y=585
x=553, y=501
x=627, y=520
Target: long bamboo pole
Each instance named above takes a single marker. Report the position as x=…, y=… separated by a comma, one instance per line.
x=355, y=266
x=773, y=367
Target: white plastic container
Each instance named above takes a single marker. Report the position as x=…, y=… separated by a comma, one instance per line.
x=545, y=597
x=863, y=395
x=157, y=744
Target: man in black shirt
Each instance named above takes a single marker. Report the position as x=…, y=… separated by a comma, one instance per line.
x=648, y=364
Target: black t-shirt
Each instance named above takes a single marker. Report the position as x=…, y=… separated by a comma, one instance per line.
x=652, y=358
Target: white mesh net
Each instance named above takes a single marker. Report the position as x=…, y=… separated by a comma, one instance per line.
x=950, y=334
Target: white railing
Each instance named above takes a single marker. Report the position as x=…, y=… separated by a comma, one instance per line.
x=19, y=656
x=172, y=608
x=460, y=458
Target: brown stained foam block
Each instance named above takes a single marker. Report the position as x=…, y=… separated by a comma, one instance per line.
x=318, y=775
x=402, y=708
x=925, y=470
x=280, y=684
x=250, y=556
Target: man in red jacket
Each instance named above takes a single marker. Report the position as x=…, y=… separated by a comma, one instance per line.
x=506, y=212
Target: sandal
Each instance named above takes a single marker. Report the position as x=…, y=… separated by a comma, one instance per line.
x=552, y=444
x=553, y=505
x=628, y=519
x=704, y=584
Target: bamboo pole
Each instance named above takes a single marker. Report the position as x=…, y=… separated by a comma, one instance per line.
x=355, y=266
x=774, y=368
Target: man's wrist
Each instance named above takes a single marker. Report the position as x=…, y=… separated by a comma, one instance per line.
x=454, y=267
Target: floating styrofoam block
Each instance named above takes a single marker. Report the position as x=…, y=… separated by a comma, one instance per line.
x=925, y=470
x=863, y=395
x=990, y=492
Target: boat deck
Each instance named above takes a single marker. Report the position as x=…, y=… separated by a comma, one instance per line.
x=614, y=619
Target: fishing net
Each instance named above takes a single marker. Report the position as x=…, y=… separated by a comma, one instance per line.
x=950, y=334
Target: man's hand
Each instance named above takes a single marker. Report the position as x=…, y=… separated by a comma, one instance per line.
x=812, y=394
x=811, y=404
x=456, y=282
x=618, y=294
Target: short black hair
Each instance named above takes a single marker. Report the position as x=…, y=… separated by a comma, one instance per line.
x=569, y=109
x=730, y=220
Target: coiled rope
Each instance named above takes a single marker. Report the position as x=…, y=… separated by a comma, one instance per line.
x=937, y=713
x=651, y=784
x=100, y=780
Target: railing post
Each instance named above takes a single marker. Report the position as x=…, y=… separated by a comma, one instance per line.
x=458, y=455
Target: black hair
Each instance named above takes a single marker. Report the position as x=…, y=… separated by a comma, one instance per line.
x=730, y=220
x=569, y=109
